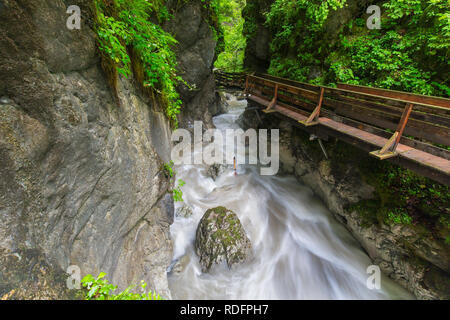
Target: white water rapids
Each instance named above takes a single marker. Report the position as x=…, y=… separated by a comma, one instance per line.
x=299, y=250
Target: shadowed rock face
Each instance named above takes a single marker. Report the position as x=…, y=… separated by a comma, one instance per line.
x=257, y=51
x=80, y=177
x=221, y=237
x=196, y=57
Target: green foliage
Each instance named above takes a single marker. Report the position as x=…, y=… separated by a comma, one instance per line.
x=409, y=53
x=230, y=18
x=177, y=193
x=297, y=27
x=400, y=196
x=100, y=289
x=170, y=173
x=168, y=169
x=397, y=216
x=403, y=197
x=213, y=13
x=125, y=30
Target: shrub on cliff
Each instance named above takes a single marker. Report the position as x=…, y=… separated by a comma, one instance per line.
x=129, y=40
x=100, y=289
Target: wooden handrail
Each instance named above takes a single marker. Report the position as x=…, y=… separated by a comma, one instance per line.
x=405, y=96
x=434, y=125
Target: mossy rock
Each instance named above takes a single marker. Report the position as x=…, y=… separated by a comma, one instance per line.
x=220, y=236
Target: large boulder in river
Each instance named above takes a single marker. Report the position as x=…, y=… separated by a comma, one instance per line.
x=220, y=236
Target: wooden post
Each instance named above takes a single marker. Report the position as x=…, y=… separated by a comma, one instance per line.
x=389, y=149
x=402, y=125
x=273, y=102
x=246, y=86
x=314, y=117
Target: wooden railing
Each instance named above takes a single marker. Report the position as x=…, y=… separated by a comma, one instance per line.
x=414, y=126
x=230, y=79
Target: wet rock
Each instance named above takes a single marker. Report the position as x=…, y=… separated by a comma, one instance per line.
x=180, y=265
x=216, y=170
x=195, y=56
x=257, y=51
x=80, y=178
x=5, y=100
x=184, y=211
x=221, y=237
x=26, y=274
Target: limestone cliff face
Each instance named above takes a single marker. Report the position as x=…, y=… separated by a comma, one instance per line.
x=196, y=52
x=81, y=179
x=406, y=253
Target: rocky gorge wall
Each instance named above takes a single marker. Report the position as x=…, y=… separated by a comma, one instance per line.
x=417, y=253
x=196, y=51
x=407, y=253
x=258, y=35
x=81, y=176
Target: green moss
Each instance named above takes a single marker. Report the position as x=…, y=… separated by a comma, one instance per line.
x=367, y=209
x=232, y=234
x=401, y=196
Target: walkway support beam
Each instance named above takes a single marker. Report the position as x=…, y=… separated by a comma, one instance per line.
x=314, y=117
x=390, y=148
x=272, y=103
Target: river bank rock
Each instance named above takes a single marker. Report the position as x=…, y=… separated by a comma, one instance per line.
x=220, y=236
x=184, y=211
x=180, y=265
x=215, y=170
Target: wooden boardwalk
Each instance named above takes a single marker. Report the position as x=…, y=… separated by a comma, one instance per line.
x=408, y=129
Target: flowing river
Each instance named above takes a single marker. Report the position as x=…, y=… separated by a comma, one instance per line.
x=299, y=250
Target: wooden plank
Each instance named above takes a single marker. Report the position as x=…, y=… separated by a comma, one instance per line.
x=394, y=98
x=412, y=162
x=415, y=128
x=289, y=99
x=440, y=164
x=422, y=116
x=307, y=94
x=426, y=147
x=426, y=104
x=377, y=138
x=259, y=100
x=312, y=119
x=410, y=97
x=402, y=125
x=293, y=114
x=389, y=101
x=423, y=158
x=388, y=116
x=293, y=83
